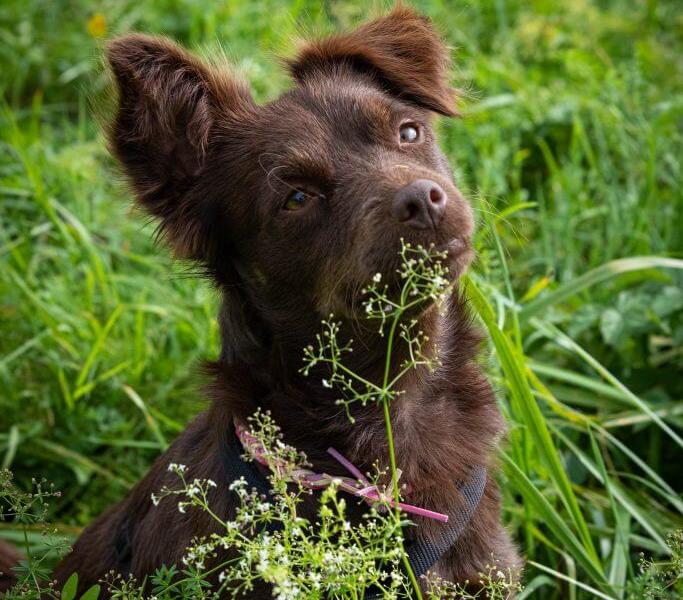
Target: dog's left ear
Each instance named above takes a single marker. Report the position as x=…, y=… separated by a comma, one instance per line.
x=401, y=50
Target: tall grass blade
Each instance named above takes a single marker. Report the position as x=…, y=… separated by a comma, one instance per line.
x=562, y=576
x=619, y=493
x=545, y=512
x=554, y=334
x=513, y=365
x=594, y=277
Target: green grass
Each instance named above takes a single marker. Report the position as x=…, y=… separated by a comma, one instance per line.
x=570, y=146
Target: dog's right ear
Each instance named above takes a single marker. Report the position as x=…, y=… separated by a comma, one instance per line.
x=169, y=103
x=402, y=52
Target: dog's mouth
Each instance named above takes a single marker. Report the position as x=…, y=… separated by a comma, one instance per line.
x=385, y=266
x=455, y=255
x=459, y=254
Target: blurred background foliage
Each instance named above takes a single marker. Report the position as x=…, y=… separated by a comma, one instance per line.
x=570, y=147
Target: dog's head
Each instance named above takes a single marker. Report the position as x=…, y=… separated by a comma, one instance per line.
x=294, y=205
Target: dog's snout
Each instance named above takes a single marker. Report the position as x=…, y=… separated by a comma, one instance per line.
x=420, y=204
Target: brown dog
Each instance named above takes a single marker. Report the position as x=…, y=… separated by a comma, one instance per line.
x=292, y=207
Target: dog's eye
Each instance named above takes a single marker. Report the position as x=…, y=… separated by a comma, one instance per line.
x=296, y=200
x=409, y=133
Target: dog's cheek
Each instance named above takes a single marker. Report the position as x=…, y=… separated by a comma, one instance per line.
x=340, y=272
x=463, y=217
x=438, y=158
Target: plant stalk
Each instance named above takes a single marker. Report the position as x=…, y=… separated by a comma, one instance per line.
x=392, y=452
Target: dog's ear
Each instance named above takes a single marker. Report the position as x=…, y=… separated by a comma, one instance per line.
x=169, y=102
x=401, y=50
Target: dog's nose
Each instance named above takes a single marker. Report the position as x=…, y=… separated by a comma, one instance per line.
x=420, y=204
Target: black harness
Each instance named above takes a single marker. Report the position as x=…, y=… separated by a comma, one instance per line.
x=422, y=554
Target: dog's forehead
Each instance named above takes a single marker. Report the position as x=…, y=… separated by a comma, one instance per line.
x=346, y=101
x=290, y=128
x=326, y=113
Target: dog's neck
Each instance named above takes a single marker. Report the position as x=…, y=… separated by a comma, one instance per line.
x=444, y=421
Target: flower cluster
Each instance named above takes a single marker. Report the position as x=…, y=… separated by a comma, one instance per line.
x=660, y=579
x=30, y=510
x=193, y=493
x=326, y=558
x=300, y=558
x=423, y=277
x=280, y=457
x=496, y=584
x=423, y=281
x=329, y=351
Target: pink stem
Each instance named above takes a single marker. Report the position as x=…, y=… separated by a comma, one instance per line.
x=350, y=467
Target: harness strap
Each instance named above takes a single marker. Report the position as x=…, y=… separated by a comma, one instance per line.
x=123, y=547
x=235, y=467
x=423, y=554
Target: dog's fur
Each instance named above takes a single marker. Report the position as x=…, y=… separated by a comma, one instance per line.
x=9, y=558
x=215, y=169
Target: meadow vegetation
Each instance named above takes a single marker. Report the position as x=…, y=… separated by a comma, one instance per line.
x=570, y=146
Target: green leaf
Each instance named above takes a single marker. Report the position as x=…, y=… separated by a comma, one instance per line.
x=595, y=276
x=70, y=587
x=536, y=583
x=668, y=301
x=611, y=326
x=92, y=593
x=618, y=566
x=620, y=494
